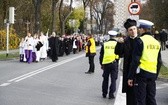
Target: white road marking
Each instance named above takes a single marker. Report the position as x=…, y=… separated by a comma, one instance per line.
x=5, y=84
x=120, y=97
x=30, y=74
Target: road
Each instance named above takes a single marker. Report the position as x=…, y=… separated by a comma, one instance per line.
x=60, y=83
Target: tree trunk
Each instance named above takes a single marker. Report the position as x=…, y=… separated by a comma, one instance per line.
x=91, y=16
x=63, y=17
x=37, y=5
x=54, y=2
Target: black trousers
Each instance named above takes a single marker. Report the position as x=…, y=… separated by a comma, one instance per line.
x=145, y=91
x=91, y=63
x=112, y=71
x=130, y=96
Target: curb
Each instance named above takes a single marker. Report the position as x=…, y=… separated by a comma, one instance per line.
x=162, y=79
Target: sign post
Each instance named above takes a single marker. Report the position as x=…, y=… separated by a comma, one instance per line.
x=134, y=8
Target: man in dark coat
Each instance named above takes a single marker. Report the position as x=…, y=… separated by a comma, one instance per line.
x=61, y=46
x=124, y=48
x=67, y=43
x=54, y=45
x=163, y=39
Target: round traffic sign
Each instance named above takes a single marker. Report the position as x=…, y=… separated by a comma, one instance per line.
x=134, y=8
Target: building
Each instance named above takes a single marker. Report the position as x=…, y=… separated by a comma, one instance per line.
x=122, y=13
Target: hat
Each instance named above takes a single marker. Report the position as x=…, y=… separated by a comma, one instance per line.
x=145, y=24
x=129, y=23
x=112, y=33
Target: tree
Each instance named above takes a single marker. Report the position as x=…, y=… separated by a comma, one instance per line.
x=37, y=6
x=75, y=20
x=64, y=13
x=54, y=2
x=157, y=11
x=103, y=14
x=85, y=4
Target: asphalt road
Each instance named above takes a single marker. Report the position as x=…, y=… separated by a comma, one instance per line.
x=60, y=83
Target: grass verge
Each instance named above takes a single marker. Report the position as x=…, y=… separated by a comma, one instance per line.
x=10, y=56
x=163, y=72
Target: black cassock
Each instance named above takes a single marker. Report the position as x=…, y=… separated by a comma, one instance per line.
x=54, y=45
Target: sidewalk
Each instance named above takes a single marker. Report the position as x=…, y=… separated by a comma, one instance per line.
x=164, y=55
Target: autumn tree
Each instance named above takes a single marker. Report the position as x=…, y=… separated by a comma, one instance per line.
x=157, y=12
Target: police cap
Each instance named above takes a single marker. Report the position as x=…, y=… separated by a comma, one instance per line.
x=146, y=24
x=112, y=33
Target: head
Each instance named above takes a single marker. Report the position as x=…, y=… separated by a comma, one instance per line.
x=145, y=26
x=90, y=35
x=53, y=34
x=131, y=27
x=29, y=34
x=156, y=32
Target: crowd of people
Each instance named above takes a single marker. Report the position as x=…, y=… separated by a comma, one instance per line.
x=38, y=47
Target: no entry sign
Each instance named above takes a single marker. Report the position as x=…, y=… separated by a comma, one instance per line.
x=134, y=8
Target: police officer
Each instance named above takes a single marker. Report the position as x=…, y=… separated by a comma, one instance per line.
x=124, y=48
x=90, y=49
x=109, y=65
x=145, y=65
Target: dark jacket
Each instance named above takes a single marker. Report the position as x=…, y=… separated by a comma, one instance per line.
x=125, y=50
x=54, y=45
x=163, y=36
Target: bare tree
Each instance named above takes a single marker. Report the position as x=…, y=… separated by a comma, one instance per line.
x=64, y=13
x=103, y=11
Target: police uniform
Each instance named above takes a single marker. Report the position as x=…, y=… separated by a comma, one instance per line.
x=145, y=66
x=110, y=67
x=90, y=50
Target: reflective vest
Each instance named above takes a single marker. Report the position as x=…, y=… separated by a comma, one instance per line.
x=92, y=47
x=148, y=60
x=109, y=55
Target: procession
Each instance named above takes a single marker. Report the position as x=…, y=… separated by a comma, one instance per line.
x=84, y=52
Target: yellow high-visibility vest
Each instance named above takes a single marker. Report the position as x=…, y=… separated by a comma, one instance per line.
x=148, y=60
x=109, y=55
x=92, y=47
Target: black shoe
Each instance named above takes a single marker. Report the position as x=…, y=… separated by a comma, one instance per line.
x=111, y=96
x=88, y=72
x=104, y=96
x=92, y=71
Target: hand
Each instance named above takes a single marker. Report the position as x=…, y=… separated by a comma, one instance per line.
x=130, y=82
x=121, y=40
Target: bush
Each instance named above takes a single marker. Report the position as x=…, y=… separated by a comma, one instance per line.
x=13, y=39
